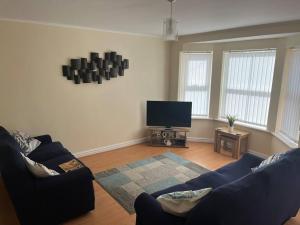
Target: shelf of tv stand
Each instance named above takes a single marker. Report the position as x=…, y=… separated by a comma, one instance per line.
x=160, y=136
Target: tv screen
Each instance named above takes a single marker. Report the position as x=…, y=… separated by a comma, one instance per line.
x=169, y=113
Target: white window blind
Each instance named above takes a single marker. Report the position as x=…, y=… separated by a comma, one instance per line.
x=195, y=78
x=247, y=84
x=291, y=110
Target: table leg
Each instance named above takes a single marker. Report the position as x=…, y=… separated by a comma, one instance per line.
x=238, y=148
x=216, y=142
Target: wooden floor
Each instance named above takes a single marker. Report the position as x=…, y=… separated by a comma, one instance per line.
x=108, y=211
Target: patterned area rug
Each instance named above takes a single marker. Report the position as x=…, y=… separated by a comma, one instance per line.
x=125, y=183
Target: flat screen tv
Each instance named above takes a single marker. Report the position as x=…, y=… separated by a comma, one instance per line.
x=169, y=113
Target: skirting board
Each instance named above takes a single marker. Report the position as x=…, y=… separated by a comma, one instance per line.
x=130, y=143
x=110, y=147
x=144, y=139
x=259, y=154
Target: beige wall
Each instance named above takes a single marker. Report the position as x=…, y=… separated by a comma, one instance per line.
x=263, y=142
x=36, y=98
x=294, y=41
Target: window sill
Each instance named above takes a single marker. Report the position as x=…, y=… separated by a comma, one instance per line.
x=259, y=128
x=285, y=140
x=201, y=118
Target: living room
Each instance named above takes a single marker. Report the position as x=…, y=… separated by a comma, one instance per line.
x=148, y=109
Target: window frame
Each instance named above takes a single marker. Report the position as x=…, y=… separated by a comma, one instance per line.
x=263, y=93
x=182, y=86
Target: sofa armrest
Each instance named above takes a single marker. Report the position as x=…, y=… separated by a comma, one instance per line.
x=66, y=196
x=149, y=212
x=45, y=139
x=20, y=185
x=76, y=178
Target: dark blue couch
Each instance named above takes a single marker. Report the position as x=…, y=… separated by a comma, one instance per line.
x=47, y=201
x=267, y=197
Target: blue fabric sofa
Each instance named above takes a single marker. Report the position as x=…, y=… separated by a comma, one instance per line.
x=240, y=197
x=47, y=201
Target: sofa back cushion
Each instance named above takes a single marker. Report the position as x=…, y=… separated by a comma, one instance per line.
x=10, y=152
x=18, y=181
x=3, y=131
x=268, y=196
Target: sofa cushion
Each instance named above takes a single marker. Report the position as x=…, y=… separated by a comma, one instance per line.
x=48, y=151
x=179, y=203
x=292, y=154
x=38, y=169
x=3, y=131
x=10, y=153
x=240, y=168
x=210, y=179
x=27, y=143
x=8, y=140
x=270, y=160
x=55, y=162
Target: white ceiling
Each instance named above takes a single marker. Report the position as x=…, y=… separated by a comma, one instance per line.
x=146, y=16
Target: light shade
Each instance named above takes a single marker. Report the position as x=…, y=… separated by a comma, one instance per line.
x=170, y=32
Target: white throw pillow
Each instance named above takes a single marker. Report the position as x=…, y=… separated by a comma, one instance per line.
x=37, y=169
x=181, y=202
x=272, y=159
x=27, y=143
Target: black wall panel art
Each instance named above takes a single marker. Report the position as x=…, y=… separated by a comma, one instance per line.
x=84, y=71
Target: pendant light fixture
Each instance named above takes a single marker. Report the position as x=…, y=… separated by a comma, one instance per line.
x=170, y=26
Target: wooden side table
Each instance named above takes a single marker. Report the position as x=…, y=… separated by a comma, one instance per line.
x=237, y=138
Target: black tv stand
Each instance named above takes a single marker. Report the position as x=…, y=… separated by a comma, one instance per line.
x=168, y=137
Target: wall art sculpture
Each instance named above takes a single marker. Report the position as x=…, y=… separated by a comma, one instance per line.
x=84, y=71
